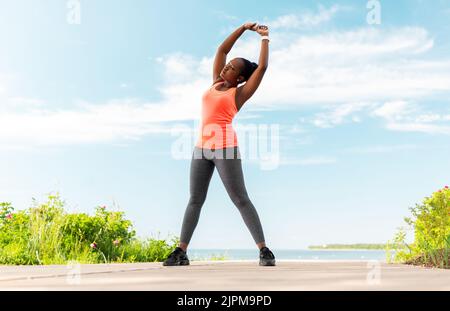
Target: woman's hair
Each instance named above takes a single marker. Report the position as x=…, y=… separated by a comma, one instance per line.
x=249, y=67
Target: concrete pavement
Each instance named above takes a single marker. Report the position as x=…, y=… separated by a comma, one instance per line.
x=226, y=275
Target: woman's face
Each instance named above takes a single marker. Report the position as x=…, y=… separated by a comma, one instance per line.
x=231, y=71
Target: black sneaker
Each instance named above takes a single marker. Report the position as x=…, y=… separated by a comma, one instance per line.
x=177, y=258
x=266, y=257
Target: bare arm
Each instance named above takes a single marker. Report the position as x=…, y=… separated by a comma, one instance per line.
x=248, y=89
x=225, y=48
x=263, y=55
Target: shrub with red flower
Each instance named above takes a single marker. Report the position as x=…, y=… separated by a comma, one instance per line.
x=430, y=222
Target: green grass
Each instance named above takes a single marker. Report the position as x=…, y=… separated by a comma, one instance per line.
x=218, y=257
x=45, y=234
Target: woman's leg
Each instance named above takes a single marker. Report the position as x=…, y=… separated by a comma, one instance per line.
x=201, y=171
x=230, y=171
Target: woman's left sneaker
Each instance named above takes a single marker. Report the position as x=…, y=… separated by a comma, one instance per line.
x=266, y=257
x=178, y=257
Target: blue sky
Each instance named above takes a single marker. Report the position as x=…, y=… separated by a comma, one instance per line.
x=88, y=110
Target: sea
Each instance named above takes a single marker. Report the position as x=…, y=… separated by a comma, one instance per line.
x=287, y=254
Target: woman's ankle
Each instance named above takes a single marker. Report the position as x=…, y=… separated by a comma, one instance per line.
x=261, y=245
x=183, y=246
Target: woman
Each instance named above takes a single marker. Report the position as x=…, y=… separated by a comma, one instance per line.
x=217, y=145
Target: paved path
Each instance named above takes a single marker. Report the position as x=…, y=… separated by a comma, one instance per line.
x=226, y=275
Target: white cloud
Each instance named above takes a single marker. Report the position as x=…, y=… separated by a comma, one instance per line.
x=419, y=127
x=380, y=149
x=365, y=65
x=27, y=122
x=319, y=160
x=224, y=15
x=431, y=117
x=344, y=72
x=21, y=103
x=398, y=115
x=179, y=66
x=306, y=19
x=88, y=123
x=337, y=115
x=394, y=110
x=408, y=117
x=297, y=129
x=294, y=21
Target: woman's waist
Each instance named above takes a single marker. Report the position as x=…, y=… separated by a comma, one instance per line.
x=217, y=124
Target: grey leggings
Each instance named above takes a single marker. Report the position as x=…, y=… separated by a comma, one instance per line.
x=228, y=164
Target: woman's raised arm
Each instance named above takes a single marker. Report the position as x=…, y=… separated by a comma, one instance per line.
x=246, y=91
x=232, y=38
x=225, y=48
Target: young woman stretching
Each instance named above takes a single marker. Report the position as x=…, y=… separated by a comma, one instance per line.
x=217, y=145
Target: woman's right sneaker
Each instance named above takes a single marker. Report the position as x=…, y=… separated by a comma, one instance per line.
x=266, y=257
x=177, y=258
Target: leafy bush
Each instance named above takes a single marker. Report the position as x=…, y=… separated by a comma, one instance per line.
x=431, y=224
x=46, y=234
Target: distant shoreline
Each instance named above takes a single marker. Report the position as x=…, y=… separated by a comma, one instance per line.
x=361, y=246
x=294, y=254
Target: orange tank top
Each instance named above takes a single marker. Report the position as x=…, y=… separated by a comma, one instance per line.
x=218, y=111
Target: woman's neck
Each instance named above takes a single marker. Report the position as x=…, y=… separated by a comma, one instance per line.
x=227, y=84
